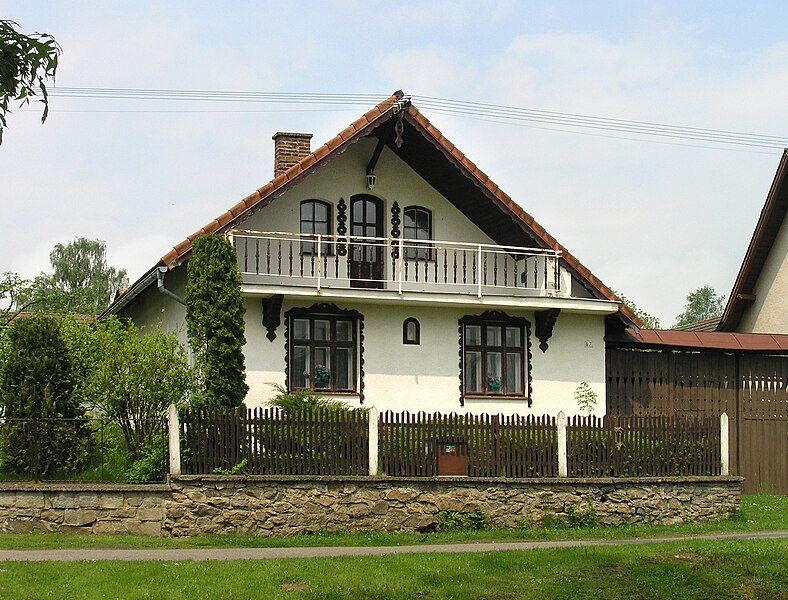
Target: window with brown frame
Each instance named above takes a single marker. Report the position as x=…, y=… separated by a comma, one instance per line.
x=496, y=356
x=323, y=349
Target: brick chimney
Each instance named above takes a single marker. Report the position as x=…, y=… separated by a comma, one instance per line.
x=289, y=148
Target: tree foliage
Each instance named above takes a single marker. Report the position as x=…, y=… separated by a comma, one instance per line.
x=215, y=322
x=15, y=297
x=132, y=377
x=649, y=320
x=703, y=303
x=43, y=431
x=26, y=62
x=80, y=281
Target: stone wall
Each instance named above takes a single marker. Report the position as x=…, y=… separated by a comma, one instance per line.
x=92, y=508
x=288, y=505
x=193, y=505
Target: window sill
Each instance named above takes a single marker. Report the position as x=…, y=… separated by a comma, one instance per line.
x=327, y=392
x=493, y=397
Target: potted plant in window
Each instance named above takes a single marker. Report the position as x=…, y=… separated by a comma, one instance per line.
x=494, y=383
x=322, y=376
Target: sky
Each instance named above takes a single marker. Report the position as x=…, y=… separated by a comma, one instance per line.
x=654, y=218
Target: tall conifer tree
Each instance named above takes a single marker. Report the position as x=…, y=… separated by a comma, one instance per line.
x=215, y=322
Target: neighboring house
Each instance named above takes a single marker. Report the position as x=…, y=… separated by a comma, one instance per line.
x=704, y=325
x=758, y=302
x=385, y=268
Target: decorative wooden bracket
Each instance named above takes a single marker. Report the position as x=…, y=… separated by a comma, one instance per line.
x=395, y=230
x=373, y=161
x=341, y=227
x=272, y=308
x=545, y=321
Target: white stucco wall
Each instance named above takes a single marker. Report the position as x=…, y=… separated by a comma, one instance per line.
x=769, y=312
x=426, y=377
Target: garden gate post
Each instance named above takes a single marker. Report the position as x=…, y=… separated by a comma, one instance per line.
x=724, y=445
x=560, y=425
x=374, y=421
x=174, y=435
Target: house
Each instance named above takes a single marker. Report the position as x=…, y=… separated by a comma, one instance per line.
x=758, y=302
x=384, y=268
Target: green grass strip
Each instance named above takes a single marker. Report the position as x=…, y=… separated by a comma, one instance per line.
x=678, y=570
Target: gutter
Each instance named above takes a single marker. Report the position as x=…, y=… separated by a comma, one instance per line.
x=154, y=274
x=160, y=284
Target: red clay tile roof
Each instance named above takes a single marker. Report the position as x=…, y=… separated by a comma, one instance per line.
x=359, y=127
x=699, y=340
x=768, y=226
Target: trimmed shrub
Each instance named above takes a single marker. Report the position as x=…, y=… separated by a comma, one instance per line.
x=45, y=429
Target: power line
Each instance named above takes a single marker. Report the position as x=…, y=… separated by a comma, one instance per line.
x=461, y=108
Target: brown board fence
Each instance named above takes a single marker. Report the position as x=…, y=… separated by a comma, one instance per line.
x=751, y=388
x=615, y=446
x=425, y=445
x=271, y=441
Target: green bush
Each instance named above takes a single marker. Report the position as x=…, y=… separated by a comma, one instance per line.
x=579, y=517
x=302, y=399
x=46, y=430
x=132, y=376
x=153, y=462
x=452, y=519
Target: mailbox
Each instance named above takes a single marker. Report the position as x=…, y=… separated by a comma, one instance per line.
x=453, y=458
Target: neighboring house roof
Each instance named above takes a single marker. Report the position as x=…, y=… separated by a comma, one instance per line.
x=769, y=223
x=79, y=318
x=699, y=340
x=435, y=159
x=704, y=325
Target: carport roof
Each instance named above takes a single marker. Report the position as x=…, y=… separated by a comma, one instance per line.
x=699, y=340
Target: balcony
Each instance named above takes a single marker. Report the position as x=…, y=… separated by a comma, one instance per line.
x=396, y=265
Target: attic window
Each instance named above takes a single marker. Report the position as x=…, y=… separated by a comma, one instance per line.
x=417, y=226
x=315, y=219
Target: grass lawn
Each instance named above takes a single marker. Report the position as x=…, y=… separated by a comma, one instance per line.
x=686, y=570
x=759, y=512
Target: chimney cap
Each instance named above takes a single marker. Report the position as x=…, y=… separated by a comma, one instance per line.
x=290, y=134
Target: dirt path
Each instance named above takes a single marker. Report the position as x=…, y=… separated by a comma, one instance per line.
x=75, y=554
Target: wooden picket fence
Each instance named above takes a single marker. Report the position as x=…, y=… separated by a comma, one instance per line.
x=270, y=441
x=616, y=446
x=496, y=445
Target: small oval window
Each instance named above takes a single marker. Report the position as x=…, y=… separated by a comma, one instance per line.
x=411, y=331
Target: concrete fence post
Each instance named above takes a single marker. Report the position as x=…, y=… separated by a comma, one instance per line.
x=174, y=435
x=374, y=418
x=724, y=445
x=560, y=425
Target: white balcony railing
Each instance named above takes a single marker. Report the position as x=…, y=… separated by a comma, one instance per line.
x=395, y=264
